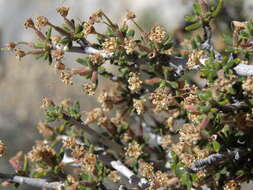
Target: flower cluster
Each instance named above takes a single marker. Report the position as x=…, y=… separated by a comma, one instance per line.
x=139, y=106
x=110, y=45
x=157, y=34
x=42, y=153
x=133, y=150
x=161, y=99
x=88, y=162
x=134, y=82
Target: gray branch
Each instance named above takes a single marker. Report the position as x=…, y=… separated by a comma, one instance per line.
x=35, y=182
x=213, y=159
x=244, y=70
x=84, y=48
x=133, y=179
x=179, y=63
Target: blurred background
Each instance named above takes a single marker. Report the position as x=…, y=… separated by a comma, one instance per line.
x=24, y=84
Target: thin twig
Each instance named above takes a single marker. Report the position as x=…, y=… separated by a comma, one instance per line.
x=102, y=139
x=90, y=50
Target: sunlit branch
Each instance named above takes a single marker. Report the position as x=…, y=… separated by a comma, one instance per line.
x=35, y=182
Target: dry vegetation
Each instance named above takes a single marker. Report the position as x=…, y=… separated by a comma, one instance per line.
x=174, y=115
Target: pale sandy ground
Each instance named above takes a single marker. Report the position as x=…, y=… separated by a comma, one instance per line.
x=22, y=85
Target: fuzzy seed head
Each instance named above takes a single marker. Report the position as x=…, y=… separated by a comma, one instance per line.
x=41, y=21
x=29, y=23
x=63, y=11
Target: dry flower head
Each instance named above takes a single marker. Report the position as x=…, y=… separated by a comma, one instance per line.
x=129, y=45
x=232, y=185
x=139, y=106
x=134, y=82
x=110, y=45
x=45, y=129
x=93, y=115
x=2, y=148
x=70, y=142
x=161, y=98
x=106, y=100
x=88, y=162
x=88, y=28
x=19, y=54
x=130, y=15
x=89, y=88
x=114, y=176
x=66, y=78
x=96, y=58
x=146, y=169
x=63, y=11
x=42, y=153
x=29, y=23
x=157, y=34
x=166, y=141
x=41, y=21
x=133, y=150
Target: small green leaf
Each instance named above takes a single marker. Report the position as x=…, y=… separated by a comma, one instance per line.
x=66, y=27
x=251, y=101
x=83, y=61
x=217, y=9
x=205, y=95
x=26, y=164
x=48, y=33
x=110, y=32
x=173, y=84
x=179, y=170
x=39, y=174
x=168, y=42
x=65, y=41
x=162, y=84
x=78, y=28
x=244, y=34
x=39, y=45
x=197, y=9
x=101, y=69
x=46, y=56
x=216, y=146
x=86, y=177
x=240, y=172
x=190, y=18
x=186, y=180
x=204, y=109
x=194, y=26
x=124, y=29
x=78, y=35
x=77, y=106
x=142, y=54
x=194, y=44
x=130, y=33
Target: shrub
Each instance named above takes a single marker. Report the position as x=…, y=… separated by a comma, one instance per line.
x=176, y=116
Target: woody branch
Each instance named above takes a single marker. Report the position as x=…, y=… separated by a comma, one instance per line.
x=35, y=182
